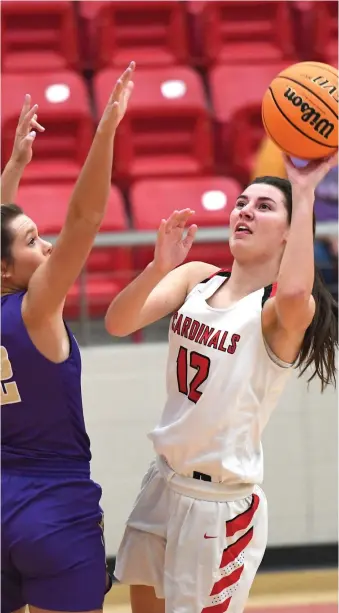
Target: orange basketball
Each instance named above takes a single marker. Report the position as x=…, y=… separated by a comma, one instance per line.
x=300, y=110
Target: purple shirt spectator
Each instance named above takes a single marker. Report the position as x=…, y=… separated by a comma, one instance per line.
x=326, y=195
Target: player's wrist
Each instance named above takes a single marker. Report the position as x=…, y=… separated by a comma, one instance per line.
x=303, y=196
x=16, y=163
x=158, y=269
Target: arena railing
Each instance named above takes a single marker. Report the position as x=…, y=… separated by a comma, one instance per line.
x=137, y=238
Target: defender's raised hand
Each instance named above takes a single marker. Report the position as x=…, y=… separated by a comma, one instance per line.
x=26, y=133
x=118, y=101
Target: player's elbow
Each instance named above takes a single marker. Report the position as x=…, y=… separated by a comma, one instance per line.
x=115, y=327
x=293, y=296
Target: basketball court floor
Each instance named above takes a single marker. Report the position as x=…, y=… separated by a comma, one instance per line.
x=287, y=592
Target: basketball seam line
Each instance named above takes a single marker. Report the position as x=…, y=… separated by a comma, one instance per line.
x=327, y=66
x=311, y=92
x=296, y=127
x=270, y=135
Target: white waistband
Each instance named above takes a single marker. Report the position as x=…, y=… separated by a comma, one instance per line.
x=203, y=490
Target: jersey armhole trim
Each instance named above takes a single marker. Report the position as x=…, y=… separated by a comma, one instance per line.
x=269, y=292
x=275, y=358
x=223, y=272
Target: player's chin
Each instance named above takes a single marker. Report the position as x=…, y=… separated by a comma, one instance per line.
x=238, y=242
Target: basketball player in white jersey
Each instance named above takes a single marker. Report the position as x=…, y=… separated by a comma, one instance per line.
x=198, y=530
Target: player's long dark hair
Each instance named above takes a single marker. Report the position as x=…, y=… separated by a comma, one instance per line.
x=8, y=213
x=320, y=342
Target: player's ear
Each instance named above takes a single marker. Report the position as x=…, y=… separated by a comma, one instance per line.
x=285, y=235
x=5, y=273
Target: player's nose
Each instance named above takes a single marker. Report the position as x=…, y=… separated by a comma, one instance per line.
x=246, y=212
x=47, y=247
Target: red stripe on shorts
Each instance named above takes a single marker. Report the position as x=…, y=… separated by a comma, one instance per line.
x=227, y=581
x=241, y=522
x=218, y=608
x=233, y=551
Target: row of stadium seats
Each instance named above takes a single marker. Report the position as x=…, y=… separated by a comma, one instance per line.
x=172, y=127
x=110, y=268
x=53, y=35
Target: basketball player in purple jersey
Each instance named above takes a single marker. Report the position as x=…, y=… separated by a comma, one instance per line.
x=52, y=546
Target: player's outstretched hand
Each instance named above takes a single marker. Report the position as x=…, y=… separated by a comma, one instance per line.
x=173, y=245
x=26, y=133
x=308, y=177
x=118, y=101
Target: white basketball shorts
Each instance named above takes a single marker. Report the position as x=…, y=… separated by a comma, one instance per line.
x=199, y=551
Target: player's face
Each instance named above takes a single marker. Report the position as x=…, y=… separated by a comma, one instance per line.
x=28, y=252
x=258, y=224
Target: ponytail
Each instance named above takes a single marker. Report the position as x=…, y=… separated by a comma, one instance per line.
x=321, y=338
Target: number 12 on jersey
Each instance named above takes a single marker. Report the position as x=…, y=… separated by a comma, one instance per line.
x=201, y=363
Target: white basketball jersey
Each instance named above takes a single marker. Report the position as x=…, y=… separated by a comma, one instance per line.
x=223, y=383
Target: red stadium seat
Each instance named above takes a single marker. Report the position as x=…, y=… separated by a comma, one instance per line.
x=238, y=112
x=167, y=129
x=64, y=111
x=38, y=36
x=250, y=31
x=108, y=269
x=212, y=199
x=325, y=39
x=152, y=33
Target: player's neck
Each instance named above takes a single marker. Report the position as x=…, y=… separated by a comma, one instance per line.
x=6, y=291
x=247, y=278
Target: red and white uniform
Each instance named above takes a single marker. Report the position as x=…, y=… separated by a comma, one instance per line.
x=198, y=530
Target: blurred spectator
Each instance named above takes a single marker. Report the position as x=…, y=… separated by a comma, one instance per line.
x=270, y=162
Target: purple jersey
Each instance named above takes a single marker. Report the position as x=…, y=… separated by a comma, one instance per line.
x=42, y=422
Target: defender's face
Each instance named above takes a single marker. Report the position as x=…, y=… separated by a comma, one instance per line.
x=28, y=252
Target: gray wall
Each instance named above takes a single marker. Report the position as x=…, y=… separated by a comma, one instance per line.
x=124, y=391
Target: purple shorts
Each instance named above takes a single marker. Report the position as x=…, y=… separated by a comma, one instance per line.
x=52, y=545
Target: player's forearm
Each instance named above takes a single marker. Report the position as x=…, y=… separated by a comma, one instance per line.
x=296, y=274
x=10, y=180
x=91, y=192
x=124, y=314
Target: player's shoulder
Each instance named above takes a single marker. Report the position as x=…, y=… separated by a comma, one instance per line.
x=198, y=272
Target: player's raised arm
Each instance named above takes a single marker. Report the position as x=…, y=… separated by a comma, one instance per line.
x=52, y=280
x=22, y=151
x=294, y=304
x=162, y=287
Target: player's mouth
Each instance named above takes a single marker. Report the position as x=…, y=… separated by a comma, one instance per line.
x=242, y=229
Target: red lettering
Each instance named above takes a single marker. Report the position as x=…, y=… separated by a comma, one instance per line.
x=200, y=332
x=234, y=340
x=221, y=345
x=186, y=325
x=194, y=329
x=177, y=326
x=214, y=340
x=207, y=333
x=174, y=319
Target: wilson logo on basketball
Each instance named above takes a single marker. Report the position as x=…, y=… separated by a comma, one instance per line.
x=309, y=114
